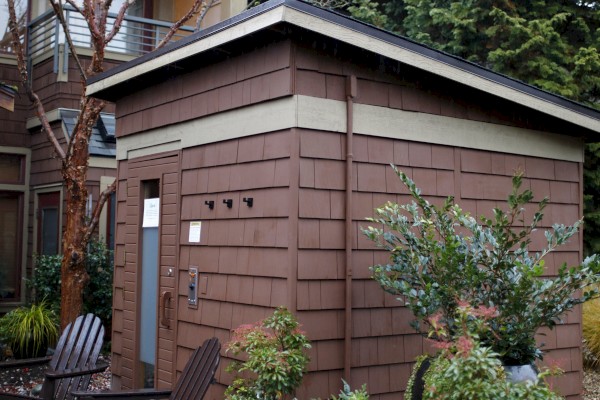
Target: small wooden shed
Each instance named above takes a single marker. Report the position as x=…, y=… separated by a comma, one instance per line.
x=235, y=177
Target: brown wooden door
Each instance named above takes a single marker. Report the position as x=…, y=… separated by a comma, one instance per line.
x=154, y=180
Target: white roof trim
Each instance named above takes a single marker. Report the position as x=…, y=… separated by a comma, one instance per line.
x=229, y=34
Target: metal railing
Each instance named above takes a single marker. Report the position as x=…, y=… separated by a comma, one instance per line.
x=137, y=35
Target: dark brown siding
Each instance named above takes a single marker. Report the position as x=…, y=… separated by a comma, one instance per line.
x=55, y=94
x=322, y=67
x=243, y=252
x=12, y=124
x=250, y=78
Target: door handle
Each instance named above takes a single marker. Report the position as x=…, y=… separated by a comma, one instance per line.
x=165, y=296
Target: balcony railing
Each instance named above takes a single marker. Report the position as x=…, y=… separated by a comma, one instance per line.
x=137, y=35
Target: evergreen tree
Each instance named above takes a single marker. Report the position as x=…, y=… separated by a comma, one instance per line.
x=551, y=44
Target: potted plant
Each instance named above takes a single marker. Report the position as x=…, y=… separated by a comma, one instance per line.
x=439, y=255
x=29, y=330
x=466, y=369
x=275, y=358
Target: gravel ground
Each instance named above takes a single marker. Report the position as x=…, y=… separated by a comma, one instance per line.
x=591, y=384
x=22, y=380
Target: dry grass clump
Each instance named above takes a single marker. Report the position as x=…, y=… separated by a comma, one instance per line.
x=591, y=333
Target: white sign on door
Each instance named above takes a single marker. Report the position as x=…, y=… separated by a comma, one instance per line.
x=151, y=213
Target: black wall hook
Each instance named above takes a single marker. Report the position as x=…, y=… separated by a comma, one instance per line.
x=210, y=204
x=229, y=202
x=249, y=201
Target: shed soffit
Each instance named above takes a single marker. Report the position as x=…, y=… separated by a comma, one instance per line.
x=347, y=30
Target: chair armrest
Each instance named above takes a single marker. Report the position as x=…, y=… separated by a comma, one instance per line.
x=68, y=373
x=25, y=362
x=135, y=394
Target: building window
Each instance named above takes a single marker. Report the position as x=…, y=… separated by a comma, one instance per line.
x=12, y=169
x=11, y=221
x=48, y=223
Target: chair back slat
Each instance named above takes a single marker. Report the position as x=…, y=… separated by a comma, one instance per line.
x=79, y=346
x=199, y=372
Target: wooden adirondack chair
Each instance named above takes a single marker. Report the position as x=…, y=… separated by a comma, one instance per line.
x=73, y=363
x=193, y=383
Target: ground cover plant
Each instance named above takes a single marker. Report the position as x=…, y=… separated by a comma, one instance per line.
x=439, y=255
x=275, y=358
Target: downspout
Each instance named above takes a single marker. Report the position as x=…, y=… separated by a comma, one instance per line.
x=350, y=95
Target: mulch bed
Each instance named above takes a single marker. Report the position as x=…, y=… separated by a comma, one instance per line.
x=22, y=380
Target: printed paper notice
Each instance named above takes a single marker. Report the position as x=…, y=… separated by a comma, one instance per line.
x=195, y=229
x=151, y=212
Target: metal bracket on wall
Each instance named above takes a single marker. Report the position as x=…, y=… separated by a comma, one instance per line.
x=193, y=287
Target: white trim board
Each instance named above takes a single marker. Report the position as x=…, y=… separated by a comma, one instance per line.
x=363, y=40
x=330, y=115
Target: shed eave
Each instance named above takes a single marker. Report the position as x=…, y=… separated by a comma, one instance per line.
x=363, y=36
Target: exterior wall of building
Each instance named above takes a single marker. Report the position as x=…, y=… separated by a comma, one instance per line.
x=41, y=167
x=288, y=249
x=63, y=90
x=14, y=141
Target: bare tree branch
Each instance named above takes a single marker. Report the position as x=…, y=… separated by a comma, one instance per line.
x=58, y=10
x=22, y=66
x=104, y=196
x=118, y=20
x=75, y=6
x=203, y=14
x=179, y=23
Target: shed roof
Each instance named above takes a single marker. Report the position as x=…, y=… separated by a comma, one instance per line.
x=121, y=80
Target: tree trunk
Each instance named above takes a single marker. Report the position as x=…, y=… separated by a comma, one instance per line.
x=74, y=277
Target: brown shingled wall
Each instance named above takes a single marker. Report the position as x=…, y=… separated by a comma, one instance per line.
x=296, y=177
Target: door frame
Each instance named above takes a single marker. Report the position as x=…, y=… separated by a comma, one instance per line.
x=149, y=171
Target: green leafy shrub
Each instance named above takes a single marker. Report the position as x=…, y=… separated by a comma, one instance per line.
x=348, y=394
x=29, y=330
x=441, y=254
x=97, y=297
x=276, y=358
x=465, y=369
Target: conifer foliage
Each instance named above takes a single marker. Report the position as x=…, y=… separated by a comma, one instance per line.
x=551, y=44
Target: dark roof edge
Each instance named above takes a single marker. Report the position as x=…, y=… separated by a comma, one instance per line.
x=195, y=37
x=369, y=30
x=443, y=57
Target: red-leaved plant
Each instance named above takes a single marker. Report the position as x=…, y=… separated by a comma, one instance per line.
x=276, y=358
